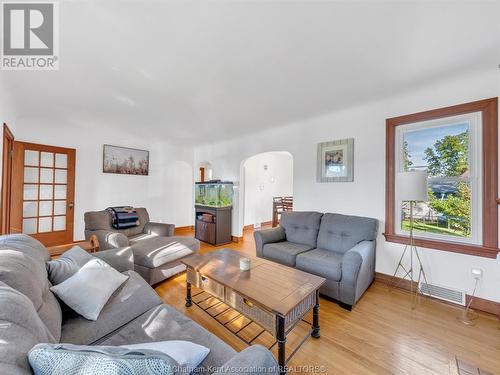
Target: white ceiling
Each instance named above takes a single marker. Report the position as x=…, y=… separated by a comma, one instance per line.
x=209, y=70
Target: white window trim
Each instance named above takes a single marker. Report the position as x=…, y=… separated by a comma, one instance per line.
x=475, y=169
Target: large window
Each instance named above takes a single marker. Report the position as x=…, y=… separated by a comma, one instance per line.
x=454, y=145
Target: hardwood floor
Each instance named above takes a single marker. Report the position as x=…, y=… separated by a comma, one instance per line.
x=381, y=335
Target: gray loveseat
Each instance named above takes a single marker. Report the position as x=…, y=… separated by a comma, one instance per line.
x=337, y=247
x=30, y=314
x=157, y=252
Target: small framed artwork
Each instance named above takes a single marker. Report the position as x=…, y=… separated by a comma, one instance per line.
x=124, y=160
x=336, y=161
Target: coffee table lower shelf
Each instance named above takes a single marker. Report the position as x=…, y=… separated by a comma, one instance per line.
x=251, y=332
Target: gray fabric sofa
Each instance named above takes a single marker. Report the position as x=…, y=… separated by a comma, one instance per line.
x=337, y=247
x=30, y=314
x=157, y=252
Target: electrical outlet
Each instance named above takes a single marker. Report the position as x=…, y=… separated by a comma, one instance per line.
x=477, y=273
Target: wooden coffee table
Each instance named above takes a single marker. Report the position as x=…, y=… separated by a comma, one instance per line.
x=274, y=296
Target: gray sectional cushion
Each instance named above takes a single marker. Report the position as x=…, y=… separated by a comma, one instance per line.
x=153, y=251
x=122, y=307
x=321, y=262
x=284, y=252
x=22, y=267
x=341, y=232
x=121, y=259
x=67, y=265
x=20, y=329
x=301, y=227
x=25, y=244
x=163, y=323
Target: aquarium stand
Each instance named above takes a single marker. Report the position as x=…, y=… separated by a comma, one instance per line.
x=213, y=224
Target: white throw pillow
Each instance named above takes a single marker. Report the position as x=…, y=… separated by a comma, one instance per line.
x=88, y=290
x=187, y=354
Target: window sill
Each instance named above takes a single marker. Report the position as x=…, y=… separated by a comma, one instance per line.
x=454, y=247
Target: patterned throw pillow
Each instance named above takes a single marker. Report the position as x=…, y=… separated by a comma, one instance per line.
x=67, y=359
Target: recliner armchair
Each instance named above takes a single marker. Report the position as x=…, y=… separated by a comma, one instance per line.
x=157, y=252
x=337, y=247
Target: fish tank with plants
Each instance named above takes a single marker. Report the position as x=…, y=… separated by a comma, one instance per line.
x=214, y=194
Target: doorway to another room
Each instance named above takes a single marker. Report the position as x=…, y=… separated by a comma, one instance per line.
x=266, y=177
x=38, y=188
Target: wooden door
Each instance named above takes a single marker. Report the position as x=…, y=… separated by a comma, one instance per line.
x=8, y=149
x=43, y=191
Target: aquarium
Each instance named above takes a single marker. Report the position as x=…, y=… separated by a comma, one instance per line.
x=214, y=194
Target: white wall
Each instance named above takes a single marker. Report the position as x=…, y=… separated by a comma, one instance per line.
x=366, y=195
x=262, y=185
x=7, y=113
x=167, y=192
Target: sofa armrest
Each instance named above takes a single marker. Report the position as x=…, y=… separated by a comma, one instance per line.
x=108, y=239
x=159, y=229
x=266, y=236
x=253, y=360
x=358, y=271
x=121, y=259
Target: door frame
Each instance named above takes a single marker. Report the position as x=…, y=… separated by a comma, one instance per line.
x=8, y=148
x=48, y=238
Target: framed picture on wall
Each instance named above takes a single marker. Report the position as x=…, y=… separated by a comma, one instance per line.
x=336, y=161
x=124, y=160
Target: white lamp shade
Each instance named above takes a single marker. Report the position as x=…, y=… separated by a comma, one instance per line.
x=412, y=186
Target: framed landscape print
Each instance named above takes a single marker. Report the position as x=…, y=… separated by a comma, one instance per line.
x=336, y=161
x=124, y=160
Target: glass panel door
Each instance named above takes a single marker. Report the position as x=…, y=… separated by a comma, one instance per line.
x=44, y=202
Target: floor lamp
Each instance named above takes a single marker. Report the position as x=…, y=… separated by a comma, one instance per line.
x=412, y=188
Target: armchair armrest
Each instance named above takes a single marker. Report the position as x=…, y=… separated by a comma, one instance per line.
x=121, y=259
x=108, y=239
x=358, y=271
x=253, y=360
x=159, y=229
x=266, y=236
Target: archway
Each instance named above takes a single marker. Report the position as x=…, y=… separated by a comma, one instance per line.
x=262, y=177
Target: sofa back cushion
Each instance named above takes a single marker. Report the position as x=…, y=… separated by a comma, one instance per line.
x=22, y=267
x=101, y=220
x=20, y=329
x=341, y=233
x=301, y=227
x=26, y=244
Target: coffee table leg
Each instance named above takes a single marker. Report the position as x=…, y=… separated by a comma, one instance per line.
x=189, y=302
x=315, y=325
x=281, y=338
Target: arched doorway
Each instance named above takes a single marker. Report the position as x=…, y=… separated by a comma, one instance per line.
x=262, y=177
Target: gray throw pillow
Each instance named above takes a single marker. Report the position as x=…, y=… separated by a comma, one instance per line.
x=67, y=265
x=88, y=290
x=47, y=359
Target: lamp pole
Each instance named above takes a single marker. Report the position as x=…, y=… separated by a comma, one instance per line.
x=412, y=248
